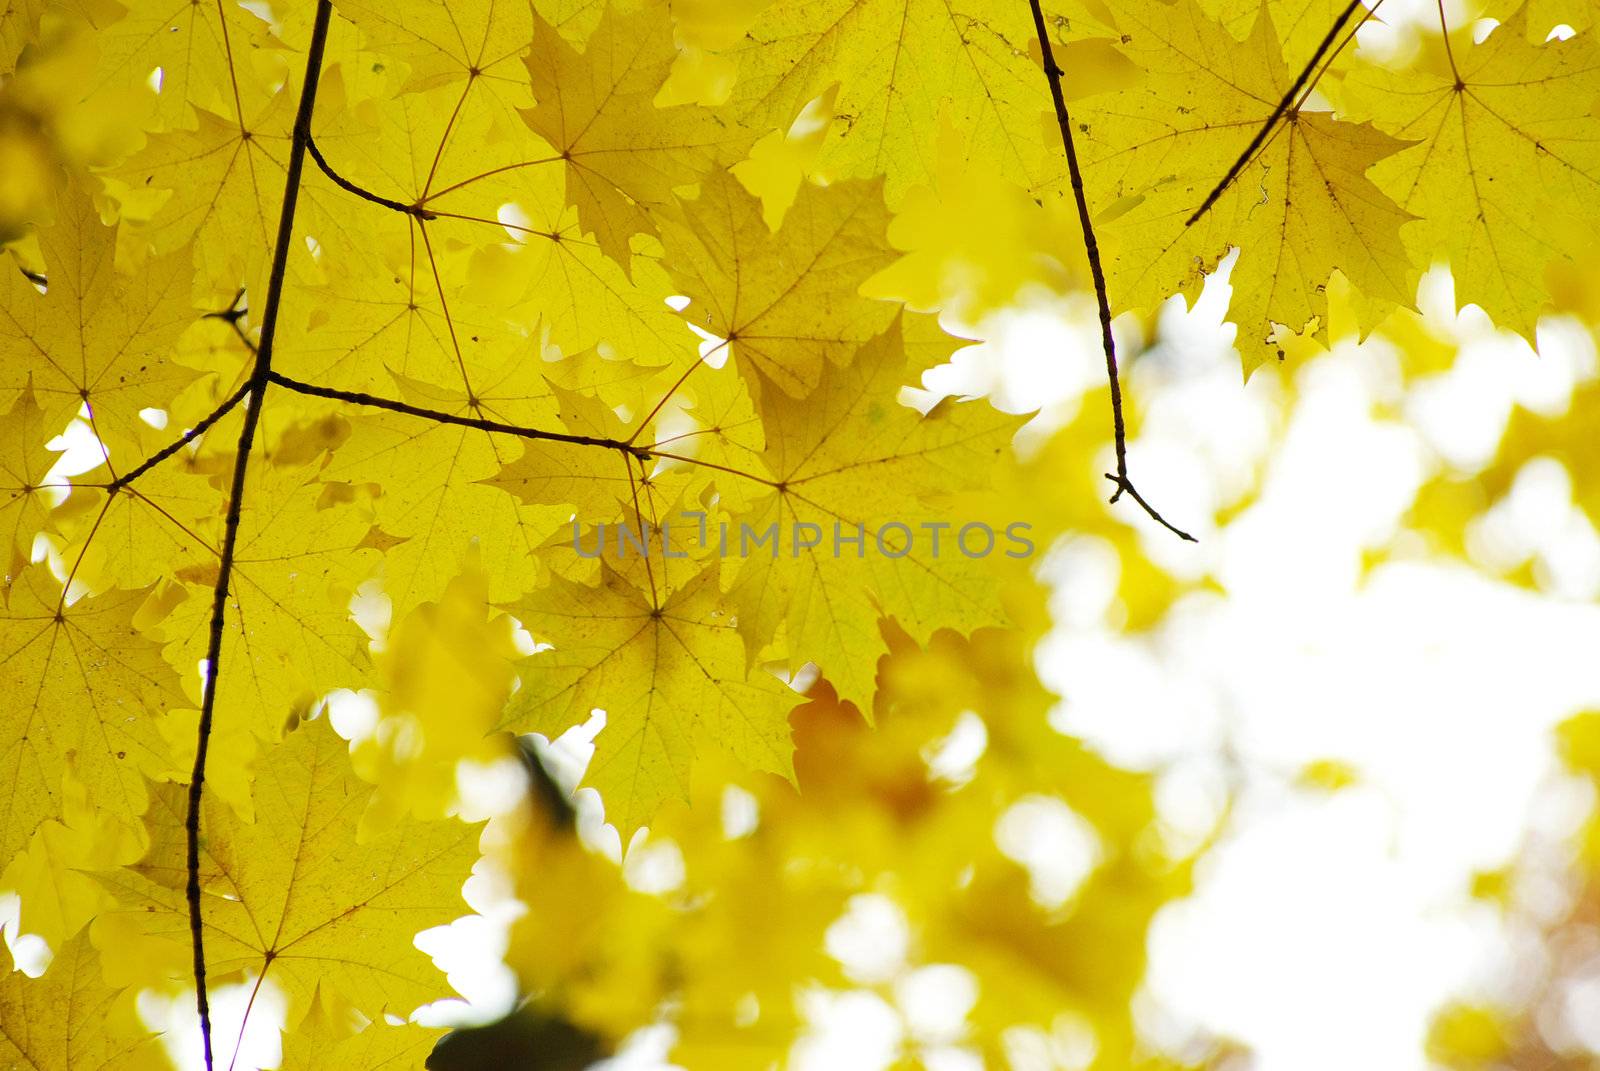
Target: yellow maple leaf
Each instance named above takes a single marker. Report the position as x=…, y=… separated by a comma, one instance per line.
x=472, y=48
x=600, y=483
x=94, y=335
x=289, y=636
x=296, y=895
x=447, y=672
x=1301, y=210
x=666, y=664
x=208, y=56
x=71, y=1020
x=216, y=186
x=492, y=229
x=901, y=66
x=425, y=485
x=321, y=1040
x=377, y=314
x=786, y=303
x=595, y=108
x=81, y=681
x=47, y=123
x=1508, y=143
x=974, y=242
x=53, y=876
x=849, y=462
x=23, y=465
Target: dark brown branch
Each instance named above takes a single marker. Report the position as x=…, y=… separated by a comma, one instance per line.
x=232, y=318
x=256, y=389
x=183, y=440
x=1124, y=484
x=1091, y=247
x=365, y=194
x=441, y=417
x=641, y=453
x=1277, y=115
x=233, y=313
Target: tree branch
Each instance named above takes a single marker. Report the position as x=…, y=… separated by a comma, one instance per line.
x=1092, y=248
x=441, y=417
x=256, y=390
x=1278, y=113
x=640, y=453
x=365, y=194
x=183, y=440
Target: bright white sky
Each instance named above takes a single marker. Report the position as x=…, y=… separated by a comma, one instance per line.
x=1328, y=927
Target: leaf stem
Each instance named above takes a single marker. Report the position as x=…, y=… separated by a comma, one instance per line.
x=1449, y=50
x=687, y=460
x=255, y=389
x=1283, y=108
x=487, y=174
x=1092, y=248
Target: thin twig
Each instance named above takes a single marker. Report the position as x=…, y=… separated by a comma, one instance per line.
x=1107, y=341
x=233, y=313
x=233, y=321
x=441, y=417
x=622, y=446
x=361, y=192
x=183, y=440
x=256, y=389
x=1277, y=115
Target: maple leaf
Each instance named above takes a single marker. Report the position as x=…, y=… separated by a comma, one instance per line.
x=81, y=681
x=70, y=1019
x=1506, y=135
x=447, y=672
x=94, y=335
x=901, y=65
x=720, y=452
x=423, y=485
x=23, y=465
x=599, y=483
x=492, y=230
x=622, y=156
x=296, y=895
x=203, y=51
x=849, y=459
x=1301, y=25
x=378, y=315
x=290, y=637
x=320, y=1041
x=472, y=48
x=1301, y=210
x=139, y=534
x=670, y=672
x=216, y=186
x=450, y=307
x=975, y=242
x=786, y=303
x=53, y=876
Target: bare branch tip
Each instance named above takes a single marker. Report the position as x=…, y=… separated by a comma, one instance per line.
x=1125, y=484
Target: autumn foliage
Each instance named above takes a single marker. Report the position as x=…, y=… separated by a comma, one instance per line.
x=381, y=315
